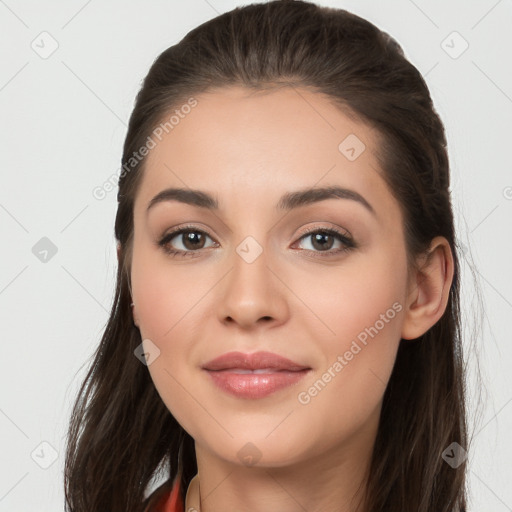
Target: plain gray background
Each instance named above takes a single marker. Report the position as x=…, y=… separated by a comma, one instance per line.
x=63, y=122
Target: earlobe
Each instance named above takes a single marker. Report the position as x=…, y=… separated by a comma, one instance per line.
x=430, y=290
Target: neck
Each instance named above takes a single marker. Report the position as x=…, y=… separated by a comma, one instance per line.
x=193, y=497
x=310, y=486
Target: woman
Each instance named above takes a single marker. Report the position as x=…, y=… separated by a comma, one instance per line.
x=285, y=332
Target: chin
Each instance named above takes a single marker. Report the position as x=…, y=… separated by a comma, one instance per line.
x=251, y=448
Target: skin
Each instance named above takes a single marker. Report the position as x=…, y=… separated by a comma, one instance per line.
x=248, y=149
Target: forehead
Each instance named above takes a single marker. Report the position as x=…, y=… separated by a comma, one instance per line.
x=256, y=145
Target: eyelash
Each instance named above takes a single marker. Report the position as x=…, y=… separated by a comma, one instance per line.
x=346, y=240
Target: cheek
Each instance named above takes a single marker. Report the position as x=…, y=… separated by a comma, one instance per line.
x=170, y=301
x=353, y=298
x=165, y=293
x=361, y=314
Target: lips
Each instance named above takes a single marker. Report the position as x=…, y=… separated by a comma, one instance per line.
x=258, y=362
x=253, y=376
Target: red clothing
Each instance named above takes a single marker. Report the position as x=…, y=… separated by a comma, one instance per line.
x=168, y=499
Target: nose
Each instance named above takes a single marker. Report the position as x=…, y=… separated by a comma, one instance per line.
x=253, y=294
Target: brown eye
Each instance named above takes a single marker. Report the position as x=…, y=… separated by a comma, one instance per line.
x=323, y=240
x=186, y=241
x=192, y=240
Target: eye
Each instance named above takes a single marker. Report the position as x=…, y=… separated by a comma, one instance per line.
x=323, y=239
x=190, y=238
x=193, y=239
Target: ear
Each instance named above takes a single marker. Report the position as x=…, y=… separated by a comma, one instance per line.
x=118, y=251
x=429, y=288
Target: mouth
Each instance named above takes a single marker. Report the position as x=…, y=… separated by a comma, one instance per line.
x=254, y=376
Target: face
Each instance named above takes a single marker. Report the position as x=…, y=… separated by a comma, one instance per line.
x=320, y=282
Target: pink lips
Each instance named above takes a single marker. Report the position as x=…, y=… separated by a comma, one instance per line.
x=254, y=375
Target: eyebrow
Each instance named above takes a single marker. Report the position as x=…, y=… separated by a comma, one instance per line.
x=288, y=201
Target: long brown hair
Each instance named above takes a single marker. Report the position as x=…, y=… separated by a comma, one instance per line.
x=121, y=433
